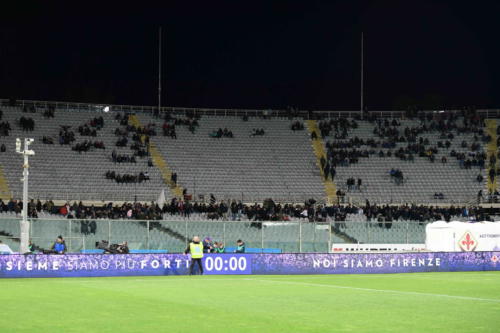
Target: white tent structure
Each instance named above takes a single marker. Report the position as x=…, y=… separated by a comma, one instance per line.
x=462, y=236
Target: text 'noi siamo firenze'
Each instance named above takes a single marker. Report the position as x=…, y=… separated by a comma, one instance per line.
x=362, y=263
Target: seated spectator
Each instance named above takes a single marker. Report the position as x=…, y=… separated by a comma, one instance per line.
x=221, y=133
x=397, y=175
x=240, y=246
x=438, y=195
x=127, y=178
x=47, y=140
x=3, y=149
x=59, y=246
x=227, y=133
x=297, y=126
x=350, y=183
x=66, y=136
x=27, y=124
x=256, y=132
x=4, y=128
x=143, y=176
x=122, y=142
x=340, y=196
x=87, y=145
x=169, y=130
x=121, y=132
x=122, y=158
x=49, y=112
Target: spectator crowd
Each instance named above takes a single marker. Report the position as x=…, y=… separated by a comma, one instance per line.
x=267, y=211
x=127, y=178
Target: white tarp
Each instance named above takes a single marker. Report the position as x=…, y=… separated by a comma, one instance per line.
x=5, y=249
x=462, y=236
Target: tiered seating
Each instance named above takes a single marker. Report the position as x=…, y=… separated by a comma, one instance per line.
x=422, y=178
x=279, y=164
x=57, y=172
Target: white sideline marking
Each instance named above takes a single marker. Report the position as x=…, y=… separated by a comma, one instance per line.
x=388, y=291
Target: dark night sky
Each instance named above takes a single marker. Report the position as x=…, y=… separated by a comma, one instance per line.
x=252, y=54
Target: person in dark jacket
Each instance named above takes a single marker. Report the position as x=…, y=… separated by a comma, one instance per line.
x=208, y=246
x=240, y=246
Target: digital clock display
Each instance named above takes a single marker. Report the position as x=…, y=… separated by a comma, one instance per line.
x=227, y=263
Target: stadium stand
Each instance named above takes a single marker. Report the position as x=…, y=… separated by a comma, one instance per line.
x=423, y=178
x=282, y=164
x=217, y=158
x=58, y=172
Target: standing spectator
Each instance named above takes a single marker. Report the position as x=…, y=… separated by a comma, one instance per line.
x=326, y=170
x=492, y=174
x=333, y=172
x=195, y=248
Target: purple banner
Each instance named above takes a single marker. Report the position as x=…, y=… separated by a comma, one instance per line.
x=315, y=263
x=84, y=265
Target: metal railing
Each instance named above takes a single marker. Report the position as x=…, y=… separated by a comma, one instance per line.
x=297, y=236
x=317, y=114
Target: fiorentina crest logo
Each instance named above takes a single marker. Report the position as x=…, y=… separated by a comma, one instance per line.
x=467, y=242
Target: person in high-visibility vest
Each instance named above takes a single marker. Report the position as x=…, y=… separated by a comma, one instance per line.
x=195, y=249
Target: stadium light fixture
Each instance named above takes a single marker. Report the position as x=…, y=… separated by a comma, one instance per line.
x=24, y=223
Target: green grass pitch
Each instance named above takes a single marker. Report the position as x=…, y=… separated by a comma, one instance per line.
x=418, y=302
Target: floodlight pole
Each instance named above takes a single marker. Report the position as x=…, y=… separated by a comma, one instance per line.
x=24, y=223
x=362, y=74
x=159, y=70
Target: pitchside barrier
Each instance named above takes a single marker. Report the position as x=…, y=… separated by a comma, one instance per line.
x=88, y=265
x=173, y=236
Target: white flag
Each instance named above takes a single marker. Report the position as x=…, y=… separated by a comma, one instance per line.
x=161, y=199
